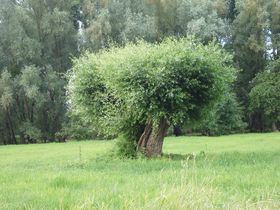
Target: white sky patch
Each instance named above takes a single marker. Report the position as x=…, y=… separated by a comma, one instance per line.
x=81, y=35
x=269, y=44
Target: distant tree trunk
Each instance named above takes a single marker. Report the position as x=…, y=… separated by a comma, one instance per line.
x=22, y=139
x=177, y=130
x=26, y=108
x=45, y=127
x=12, y=137
x=151, y=140
x=3, y=136
x=256, y=122
x=274, y=127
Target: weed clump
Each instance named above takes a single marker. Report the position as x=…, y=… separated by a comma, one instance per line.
x=126, y=148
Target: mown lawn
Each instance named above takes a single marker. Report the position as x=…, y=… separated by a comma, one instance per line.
x=229, y=172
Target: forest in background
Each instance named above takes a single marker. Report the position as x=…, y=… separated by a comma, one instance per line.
x=39, y=38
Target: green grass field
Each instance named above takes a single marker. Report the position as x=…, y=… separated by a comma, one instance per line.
x=230, y=172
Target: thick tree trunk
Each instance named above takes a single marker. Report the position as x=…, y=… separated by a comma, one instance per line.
x=151, y=140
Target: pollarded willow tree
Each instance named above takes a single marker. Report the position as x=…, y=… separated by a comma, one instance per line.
x=142, y=89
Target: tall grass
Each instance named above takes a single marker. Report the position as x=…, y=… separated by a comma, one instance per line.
x=232, y=172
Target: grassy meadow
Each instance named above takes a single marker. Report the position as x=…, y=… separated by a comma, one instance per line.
x=229, y=172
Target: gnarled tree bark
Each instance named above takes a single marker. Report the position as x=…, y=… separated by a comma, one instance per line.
x=151, y=140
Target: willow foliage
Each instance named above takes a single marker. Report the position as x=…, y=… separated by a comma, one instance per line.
x=121, y=88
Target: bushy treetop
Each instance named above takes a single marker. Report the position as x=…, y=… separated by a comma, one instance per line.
x=174, y=80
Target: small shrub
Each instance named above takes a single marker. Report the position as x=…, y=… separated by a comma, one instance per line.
x=31, y=134
x=126, y=148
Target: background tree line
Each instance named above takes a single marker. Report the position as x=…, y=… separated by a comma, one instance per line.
x=39, y=38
